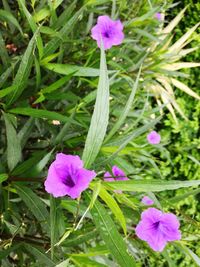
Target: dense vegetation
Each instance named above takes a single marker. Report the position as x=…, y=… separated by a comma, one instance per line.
x=59, y=92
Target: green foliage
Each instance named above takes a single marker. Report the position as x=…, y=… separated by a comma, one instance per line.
x=60, y=93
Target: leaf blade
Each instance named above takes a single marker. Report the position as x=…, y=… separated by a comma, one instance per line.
x=100, y=116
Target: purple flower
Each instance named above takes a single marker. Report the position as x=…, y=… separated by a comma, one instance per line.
x=153, y=138
x=158, y=16
x=119, y=176
x=147, y=201
x=157, y=228
x=66, y=176
x=109, y=30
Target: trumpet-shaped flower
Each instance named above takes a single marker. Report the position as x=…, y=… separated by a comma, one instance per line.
x=110, y=31
x=158, y=228
x=66, y=176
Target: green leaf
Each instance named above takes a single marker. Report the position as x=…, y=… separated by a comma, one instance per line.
x=26, y=165
x=37, y=169
x=189, y=252
x=8, y=17
x=53, y=217
x=64, y=263
x=24, y=70
x=4, y=253
x=14, y=154
x=3, y=177
x=3, y=53
x=52, y=45
x=39, y=113
x=67, y=13
x=150, y=185
x=8, y=90
x=35, y=204
x=100, y=116
x=122, y=143
x=67, y=69
x=33, y=26
x=84, y=262
x=26, y=131
x=126, y=110
x=41, y=14
x=111, y=236
x=39, y=255
x=181, y=197
x=112, y=204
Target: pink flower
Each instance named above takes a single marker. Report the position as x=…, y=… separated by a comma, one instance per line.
x=147, y=201
x=158, y=16
x=153, y=138
x=118, y=174
x=109, y=30
x=66, y=176
x=157, y=228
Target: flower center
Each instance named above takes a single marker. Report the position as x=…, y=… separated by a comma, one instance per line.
x=156, y=225
x=107, y=34
x=69, y=181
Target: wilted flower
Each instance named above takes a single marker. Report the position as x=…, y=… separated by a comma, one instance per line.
x=153, y=138
x=109, y=30
x=118, y=174
x=157, y=228
x=11, y=47
x=66, y=176
x=147, y=201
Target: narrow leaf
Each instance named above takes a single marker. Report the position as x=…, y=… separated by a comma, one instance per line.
x=8, y=17
x=173, y=23
x=150, y=185
x=3, y=177
x=39, y=255
x=67, y=69
x=13, y=143
x=126, y=110
x=35, y=204
x=112, y=204
x=184, y=88
x=99, y=121
x=22, y=75
x=111, y=236
x=52, y=45
x=42, y=114
x=180, y=43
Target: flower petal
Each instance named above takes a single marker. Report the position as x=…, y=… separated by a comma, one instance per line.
x=54, y=184
x=118, y=172
x=83, y=177
x=169, y=227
